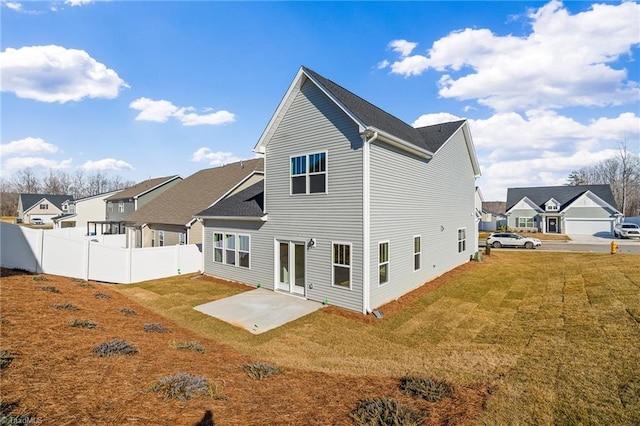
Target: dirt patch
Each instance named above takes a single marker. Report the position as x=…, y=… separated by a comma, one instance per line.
x=56, y=378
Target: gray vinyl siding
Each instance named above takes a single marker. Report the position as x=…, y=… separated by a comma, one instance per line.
x=515, y=214
x=145, y=198
x=411, y=197
x=311, y=124
x=260, y=271
x=589, y=212
x=116, y=215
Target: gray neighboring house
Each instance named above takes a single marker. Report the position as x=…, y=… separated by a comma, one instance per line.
x=493, y=215
x=128, y=200
x=168, y=218
x=580, y=209
x=356, y=208
x=42, y=206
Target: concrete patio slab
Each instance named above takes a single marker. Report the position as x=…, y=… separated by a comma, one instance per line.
x=259, y=310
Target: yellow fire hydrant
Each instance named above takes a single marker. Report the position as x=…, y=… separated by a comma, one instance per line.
x=614, y=247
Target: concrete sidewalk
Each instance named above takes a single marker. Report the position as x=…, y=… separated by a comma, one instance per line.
x=259, y=310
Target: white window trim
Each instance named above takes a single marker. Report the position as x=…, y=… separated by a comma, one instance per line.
x=307, y=174
x=382, y=263
x=462, y=240
x=121, y=207
x=236, y=251
x=350, y=266
x=110, y=207
x=153, y=238
x=419, y=253
x=533, y=222
x=160, y=238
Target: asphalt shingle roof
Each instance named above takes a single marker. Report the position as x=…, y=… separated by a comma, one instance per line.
x=429, y=137
x=139, y=188
x=247, y=203
x=565, y=195
x=178, y=204
x=29, y=200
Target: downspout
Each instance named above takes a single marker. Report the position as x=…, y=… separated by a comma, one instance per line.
x=366, y=221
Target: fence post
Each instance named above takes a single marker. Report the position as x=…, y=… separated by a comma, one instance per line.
x=40, y=256
x=130, y=264
x=86, y=260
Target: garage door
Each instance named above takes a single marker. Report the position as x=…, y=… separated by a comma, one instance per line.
x=588, y=227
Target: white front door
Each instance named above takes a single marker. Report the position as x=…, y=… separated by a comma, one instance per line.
x=291, y=267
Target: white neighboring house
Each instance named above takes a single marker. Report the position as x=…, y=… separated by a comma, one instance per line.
x=83, y=210
x=41, y=208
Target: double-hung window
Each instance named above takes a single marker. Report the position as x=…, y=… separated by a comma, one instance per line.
x=383, y=263
x=342, y=265
x=525, y=222
x=218, y=247
x=153, y=238
x=309, y=174
x=230, y=249
x=182, y=238
x=121, y=206
x=109, y=207
x=417, y=252
x=161, y=238
x=462, y=239
x=244, y=250
x=44, y=206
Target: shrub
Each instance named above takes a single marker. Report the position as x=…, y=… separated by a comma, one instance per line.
x=115, y=347
x=82, y=323
x=50, y=289
x=184, y=386
x=429, y=389
x=155, y=328
x=99, y=295
x=40, y=278
x=383, y=412
x=128, y=312
x=6, y=358
x=261, y=370
x=66, y=306
x=83, y=283
x=191, y=346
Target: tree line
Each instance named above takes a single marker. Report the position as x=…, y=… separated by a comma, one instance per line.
x=56, y=182
x=621, y=172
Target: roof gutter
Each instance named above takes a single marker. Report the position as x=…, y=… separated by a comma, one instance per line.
x=398, y=143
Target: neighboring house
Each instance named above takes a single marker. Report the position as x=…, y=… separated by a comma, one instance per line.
x=42, y=206
x=129, y=200
x=168, y=218
x=82, y=211
x=581, y=209
x=356, y=208
x=493, y=215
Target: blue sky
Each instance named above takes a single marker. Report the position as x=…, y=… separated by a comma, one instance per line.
x=146, y=89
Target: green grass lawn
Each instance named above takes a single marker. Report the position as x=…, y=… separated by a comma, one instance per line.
x=555, y=335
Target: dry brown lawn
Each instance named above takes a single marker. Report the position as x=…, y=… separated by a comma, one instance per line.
x=55, y=379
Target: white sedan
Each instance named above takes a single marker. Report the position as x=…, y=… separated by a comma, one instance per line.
x=511, y=239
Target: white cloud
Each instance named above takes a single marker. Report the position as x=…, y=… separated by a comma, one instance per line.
x=18, y=163
x=13, y=5
x=27, y=146
x=106, y=164
x=214, y=158
x=77, y=2
x=56, y=74
x=403, y=47
x=382, y=64
x=161, y=111
x=565, y=60
x=437, y=118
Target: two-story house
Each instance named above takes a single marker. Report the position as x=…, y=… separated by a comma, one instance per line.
x=41, y=208
x=168, y=219
x=129, y=200
x=356, y=208
x=83, y=210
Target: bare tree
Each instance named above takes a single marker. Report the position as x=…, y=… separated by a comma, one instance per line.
x=56, y=182
x=8, y=198
x=26, y=182
x=622, y=172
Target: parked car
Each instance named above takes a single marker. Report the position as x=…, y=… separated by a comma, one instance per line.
x=626, y=230
x=511, y=239
x=36, y=221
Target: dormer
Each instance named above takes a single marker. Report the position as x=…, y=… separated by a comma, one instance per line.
x=552, y=205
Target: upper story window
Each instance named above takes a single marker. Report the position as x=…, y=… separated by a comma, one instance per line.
x=110, y=207
x=44, y=206
x=121, y=206
x=309, y=174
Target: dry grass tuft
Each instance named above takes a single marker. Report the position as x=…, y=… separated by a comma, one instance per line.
x=384, y=412
x=261, y=370
x=425, y=388
x=183, y=386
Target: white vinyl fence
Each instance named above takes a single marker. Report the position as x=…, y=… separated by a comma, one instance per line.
x=100, y=258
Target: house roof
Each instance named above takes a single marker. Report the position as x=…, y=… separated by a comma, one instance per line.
x=425, y=140
x=141, y=188
x=565, y=195
x=247, y=203
x=30, y=200
x=178, y=204
x=495, y=207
